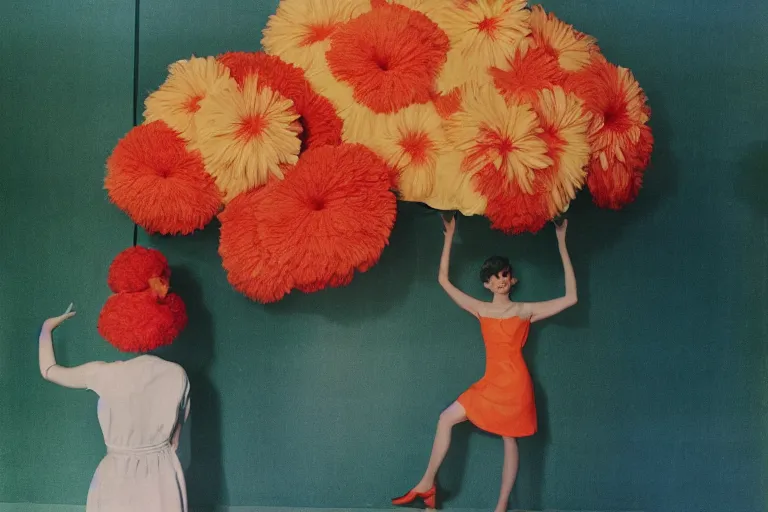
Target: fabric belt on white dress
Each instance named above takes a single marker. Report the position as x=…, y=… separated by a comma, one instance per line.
x=139, y=450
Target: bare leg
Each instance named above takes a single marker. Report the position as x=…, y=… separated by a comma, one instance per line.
x=509, y=473
x=453, y=415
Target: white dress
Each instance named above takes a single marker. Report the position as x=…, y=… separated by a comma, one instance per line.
x=142, y=405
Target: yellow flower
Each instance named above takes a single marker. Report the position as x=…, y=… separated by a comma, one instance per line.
x=572, y=49
x=483, y=34
x=177, y=101
x=245, y=135
x=491, y=132
x=412, y=141
x=565, y=128
x=300, y=29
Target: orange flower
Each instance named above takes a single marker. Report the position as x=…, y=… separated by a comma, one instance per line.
x=331, y=215
x=527, y=74
x=389, y=56
x=620, y=140
x=510, y=208
x=159, y=183
x=619, y=185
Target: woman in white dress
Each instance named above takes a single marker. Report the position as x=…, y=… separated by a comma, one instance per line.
x=143, y=403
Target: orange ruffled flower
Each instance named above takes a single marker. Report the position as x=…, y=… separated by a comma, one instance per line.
x=159, y=183
x=331, y=215
x=245, y=135
x=320, y=123
x=511, y=209
x=620, y=185
x=620, y=140
x=177, y=101
x=389, y=56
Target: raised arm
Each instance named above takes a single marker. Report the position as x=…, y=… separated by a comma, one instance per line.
x=464, y=301
x=542, y=310
x=76, y=377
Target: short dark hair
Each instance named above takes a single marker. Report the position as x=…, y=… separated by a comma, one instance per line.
x=493, y=266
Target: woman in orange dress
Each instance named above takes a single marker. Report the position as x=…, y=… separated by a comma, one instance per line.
x=502, y=401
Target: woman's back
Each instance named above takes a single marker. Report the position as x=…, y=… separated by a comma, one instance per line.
x=141, y=405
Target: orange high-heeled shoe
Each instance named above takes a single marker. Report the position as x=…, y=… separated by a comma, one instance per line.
x=429, y=498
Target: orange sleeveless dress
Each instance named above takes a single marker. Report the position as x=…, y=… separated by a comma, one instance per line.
x=502, y=401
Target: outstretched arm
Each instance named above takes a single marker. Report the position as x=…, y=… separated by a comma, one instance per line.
x=76, y=377
x=464, y=301
x=542, y=310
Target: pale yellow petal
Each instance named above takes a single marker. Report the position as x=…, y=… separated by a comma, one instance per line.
x=563, y=114
x=573, y=49
x=177, y=101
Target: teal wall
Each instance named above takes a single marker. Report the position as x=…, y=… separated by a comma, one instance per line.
x=652, y=391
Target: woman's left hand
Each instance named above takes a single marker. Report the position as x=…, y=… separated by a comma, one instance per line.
x=53, y=322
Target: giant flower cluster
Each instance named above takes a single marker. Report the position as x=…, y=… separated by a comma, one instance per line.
x=489, y=107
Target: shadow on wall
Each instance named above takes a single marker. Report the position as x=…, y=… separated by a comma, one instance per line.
x=194, y=351
x=384, y=286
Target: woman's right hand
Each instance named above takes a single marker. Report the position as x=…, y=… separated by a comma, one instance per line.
x=450, y=226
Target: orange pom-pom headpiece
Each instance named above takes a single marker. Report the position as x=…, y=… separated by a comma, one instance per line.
x=142, y=315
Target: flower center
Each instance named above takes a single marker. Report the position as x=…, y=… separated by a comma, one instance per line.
x=317, y=33
x=489, y=26
x=251, y=127
x=417, y=145
x=193, y=103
